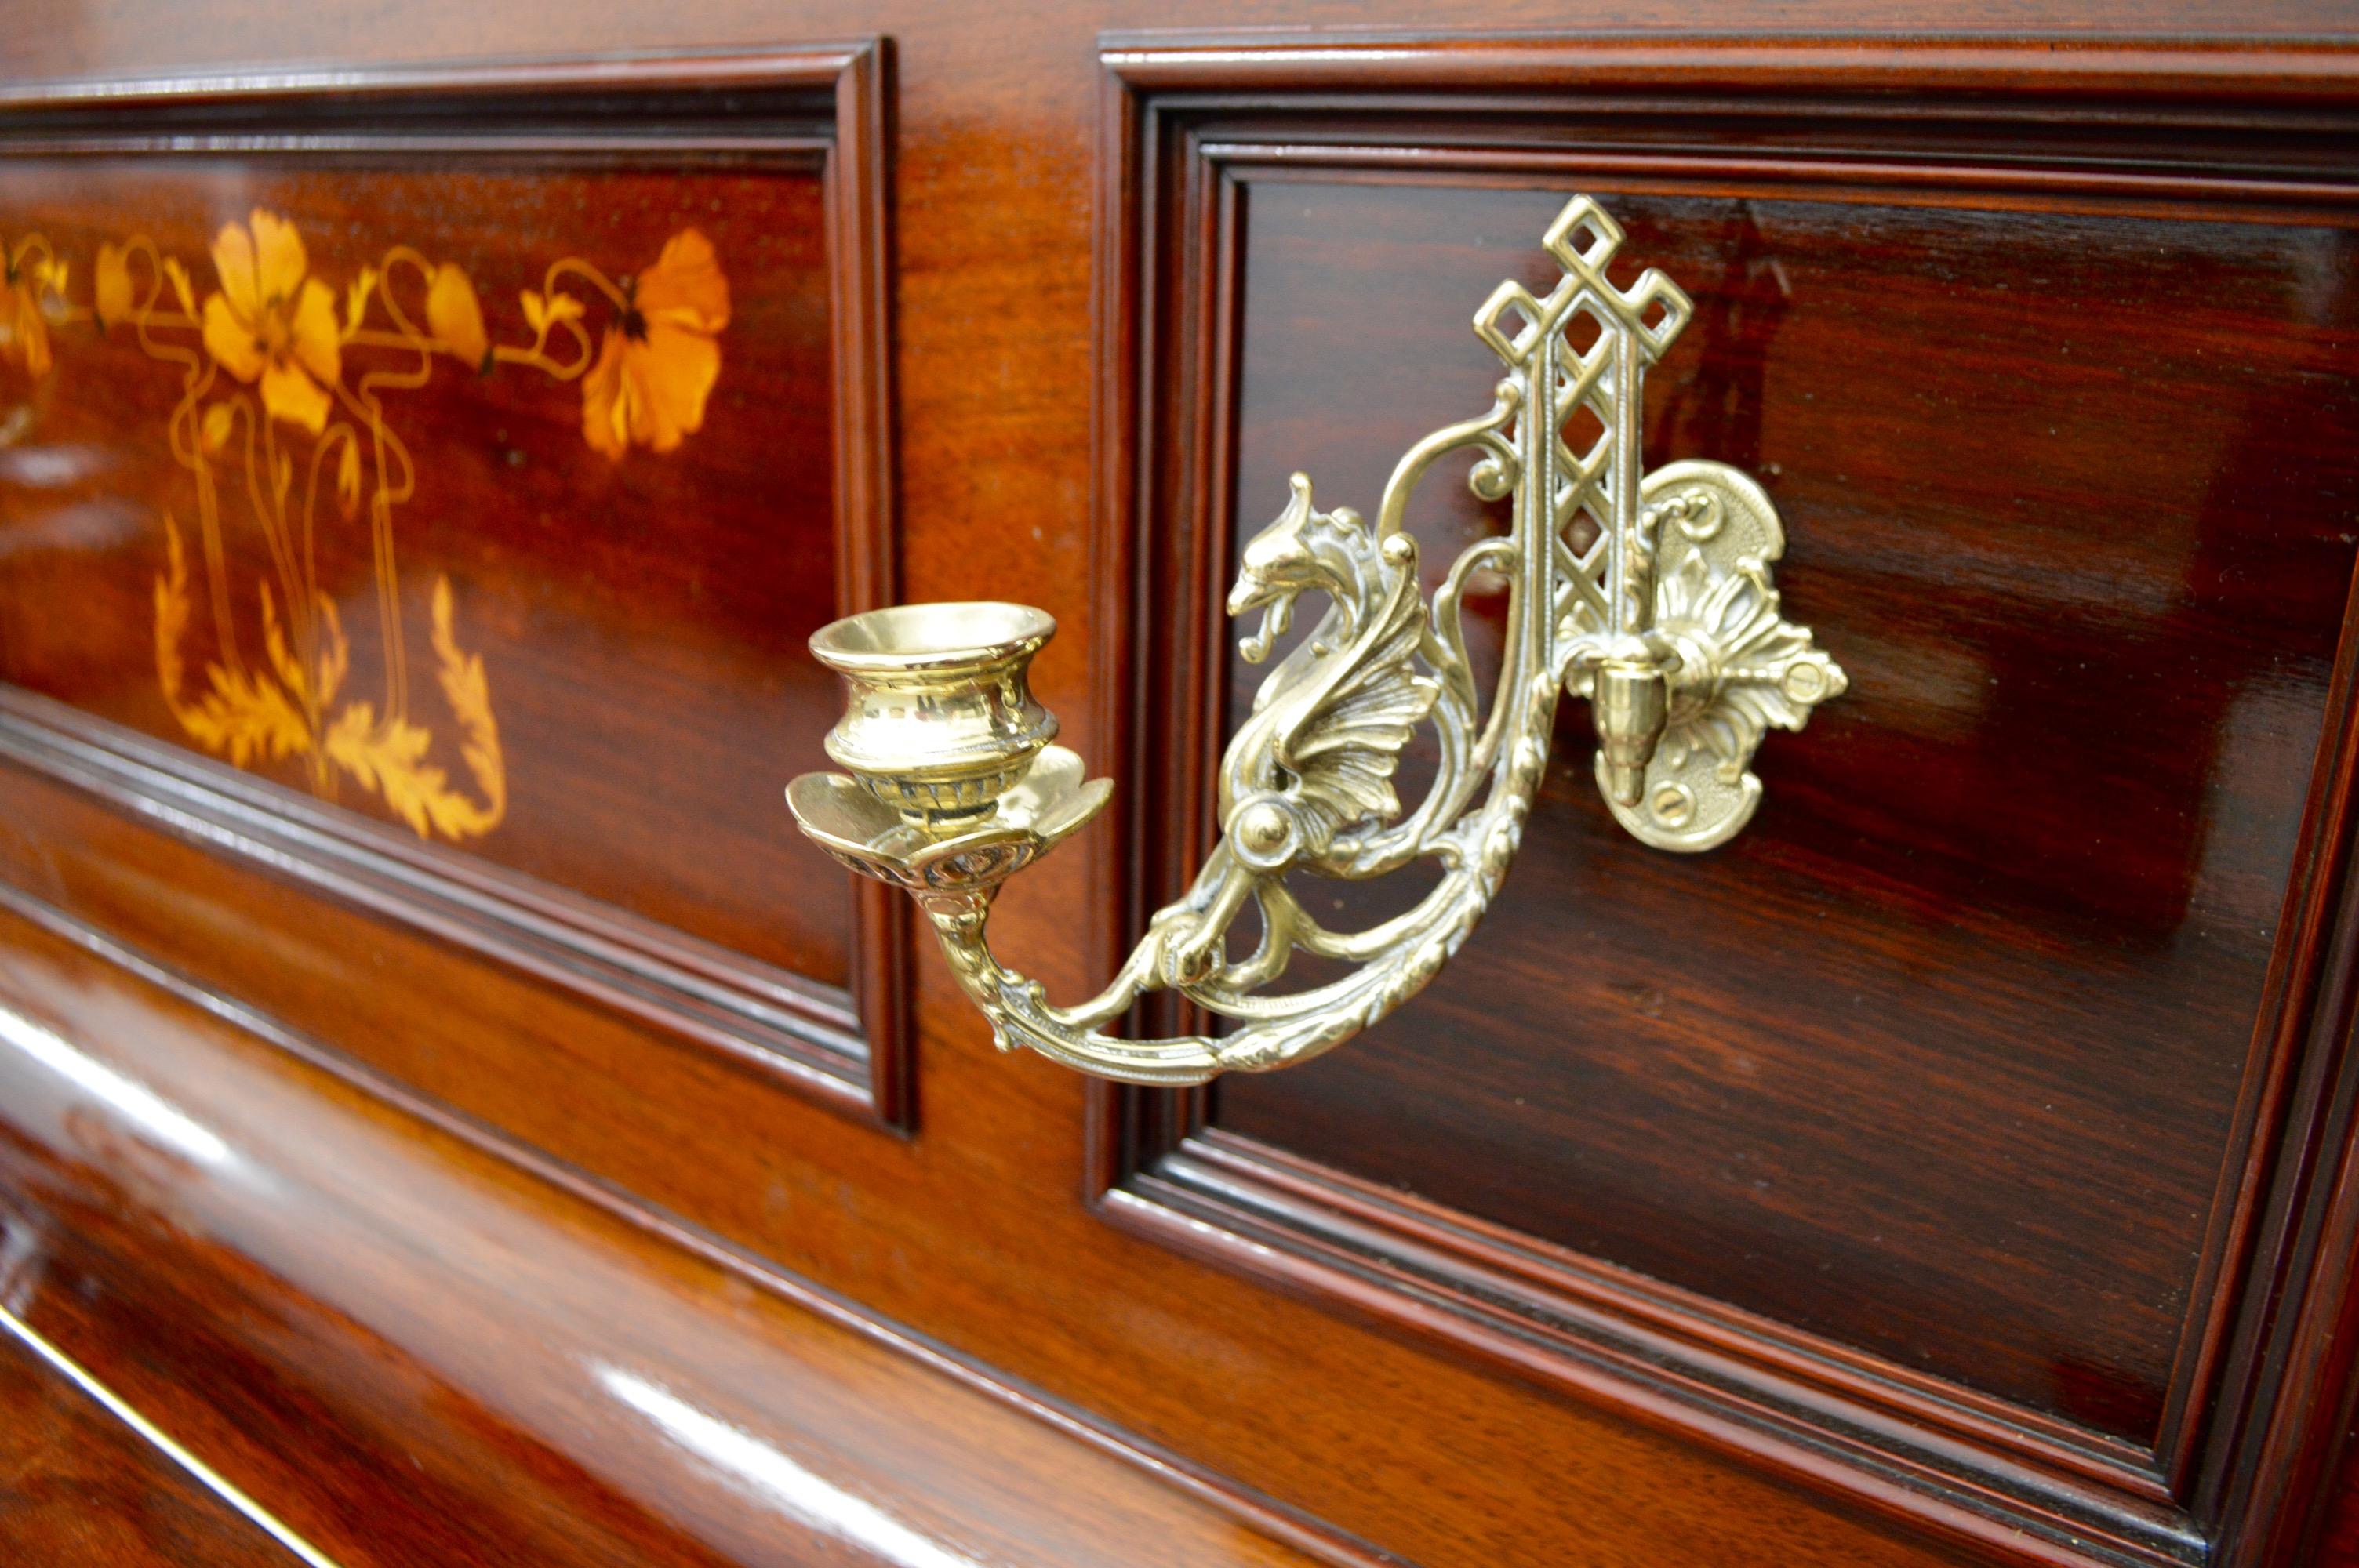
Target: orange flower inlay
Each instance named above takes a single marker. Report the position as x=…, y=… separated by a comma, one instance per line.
x=25, y=280
x=113, y=298
x=275, y=351
x=456, y=317
x=269, y=322
x=658, y=361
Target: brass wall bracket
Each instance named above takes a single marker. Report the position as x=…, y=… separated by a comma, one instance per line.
x=1648, y=594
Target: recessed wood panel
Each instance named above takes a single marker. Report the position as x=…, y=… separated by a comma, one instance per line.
x=1934, y=1123
x=638, y=613
x=1938, y=1059
x=482, y=481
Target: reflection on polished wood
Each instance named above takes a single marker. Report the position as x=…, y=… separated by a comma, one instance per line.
x=79, y=1488
x=1360, y=1406
x=413, y=1351
x=774, y=1179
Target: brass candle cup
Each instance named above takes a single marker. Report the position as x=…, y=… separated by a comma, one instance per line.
x=939, y=722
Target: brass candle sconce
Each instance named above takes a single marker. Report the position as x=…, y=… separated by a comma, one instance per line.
x=1647, y=593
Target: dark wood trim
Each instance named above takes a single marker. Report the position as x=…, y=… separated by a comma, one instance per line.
x=2267, y=1347
x=466, y=85
x=859, y=319
x=847, y=1047
x=1909, y=1446
x=1878, y=68
x=2280, y=1371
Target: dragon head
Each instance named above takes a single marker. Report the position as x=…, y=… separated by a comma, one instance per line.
x=1301, y=551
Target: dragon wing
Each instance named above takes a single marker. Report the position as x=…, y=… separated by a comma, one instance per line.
x=1346, y=742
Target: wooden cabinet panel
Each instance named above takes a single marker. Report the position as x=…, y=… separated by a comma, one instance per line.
x=1940, y=1059
x=688, y=609
x=486, y=480
x=1941, y=1093
x=2078, y=1166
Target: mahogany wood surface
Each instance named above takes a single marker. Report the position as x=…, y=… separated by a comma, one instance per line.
x=471, y=1171
x=410, y=1349
x=632, y=674
x=1577, y=1193
x=79, y=1488
x=1941, y=1058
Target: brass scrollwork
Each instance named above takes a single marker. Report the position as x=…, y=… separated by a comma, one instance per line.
x=1648, y=594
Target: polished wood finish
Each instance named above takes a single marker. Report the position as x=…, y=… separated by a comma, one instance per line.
x=1925, y=1125
x=2095, y=826
x=79, y=1489
x=2338, y=1529
x=411, y=1347
x=585, y=1089
x=533, y=1174
x=646, y=678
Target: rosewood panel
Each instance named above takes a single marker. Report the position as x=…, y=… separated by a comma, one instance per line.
x=1940, y=1058
x=432, y=459
x=1929, y=1105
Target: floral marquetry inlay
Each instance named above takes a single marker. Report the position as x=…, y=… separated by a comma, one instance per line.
x=282, y=426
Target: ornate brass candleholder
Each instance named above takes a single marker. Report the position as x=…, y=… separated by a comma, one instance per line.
x=1648, y=594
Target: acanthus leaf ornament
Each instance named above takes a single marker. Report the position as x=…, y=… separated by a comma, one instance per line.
x=1742, y=670
x=1648, y=594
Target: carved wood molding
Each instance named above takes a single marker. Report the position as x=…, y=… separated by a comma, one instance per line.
x=2257, y=1396
x=846, y=1046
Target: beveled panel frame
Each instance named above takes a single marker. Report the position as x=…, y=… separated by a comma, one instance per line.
x=847, y=1047
x=2261, y=1384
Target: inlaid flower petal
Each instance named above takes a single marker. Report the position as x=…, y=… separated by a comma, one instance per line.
x=113, y=286
x=456, y=317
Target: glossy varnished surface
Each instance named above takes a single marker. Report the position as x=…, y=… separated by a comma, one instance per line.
x=640, y=617
x=414, y=1353
x=645, y=672
x=1941, y=1058
x=764, y=1169
x=977, y=1231
x=2226, y=1454
x=80, y=1489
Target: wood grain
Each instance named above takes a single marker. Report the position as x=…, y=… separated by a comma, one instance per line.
x=80, y=1489
x=978, y=1234
x=413, y=1350
x=1991, y=1012
x=1942, y=1061
x=645, y=674
x=745, y=1165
